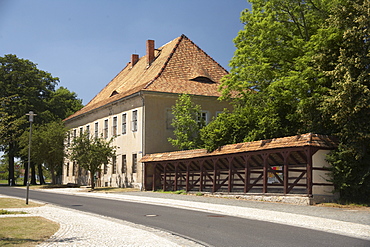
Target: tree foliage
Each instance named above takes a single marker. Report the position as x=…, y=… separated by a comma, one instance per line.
x=303, y=66
x=91, y=153
x=24, y=87
x=348, y=101
x=187, y=123
x=47, y=146
x=272, y=70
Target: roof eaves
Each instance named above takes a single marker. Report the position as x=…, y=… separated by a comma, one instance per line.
x=125, y=97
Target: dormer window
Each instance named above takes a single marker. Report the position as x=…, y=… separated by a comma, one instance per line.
x=202, y=79
x=113, y=93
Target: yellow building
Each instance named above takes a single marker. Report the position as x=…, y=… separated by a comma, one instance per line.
x=135, y=108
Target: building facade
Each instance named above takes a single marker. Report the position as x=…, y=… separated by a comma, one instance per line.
x=135, y=109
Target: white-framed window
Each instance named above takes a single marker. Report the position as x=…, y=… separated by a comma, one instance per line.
x=134, y=121
x=81, y=130
x=74, y=133
x=114, y=164
x=105, y=168
x=218, y=113
x=134, y=163
x=87, y=130
x=74, y=165
x=96, y=130
x=169, y=119
x=124, y=123
x=124, y=163
x=67, y=172
x=203, y=117
x=68, y=138
x=105, y=132
x=114, y=126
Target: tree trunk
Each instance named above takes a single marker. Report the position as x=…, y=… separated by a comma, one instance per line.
x=53, y=177
x=41, y=175
x=33, y=174
x=92, y=181
x=11, y=164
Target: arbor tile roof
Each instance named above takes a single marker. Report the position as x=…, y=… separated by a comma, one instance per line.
x=309, y=139
x=179, y=66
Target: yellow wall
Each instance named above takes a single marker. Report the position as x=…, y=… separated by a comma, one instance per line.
x=151, y=136
x=157, y=127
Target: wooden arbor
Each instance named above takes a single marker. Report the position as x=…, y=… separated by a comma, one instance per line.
x=282, y=165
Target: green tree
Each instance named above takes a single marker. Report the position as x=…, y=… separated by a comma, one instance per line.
x=230, y=127
x=61, y=104
x=27, y=87
x=187, y=122
x=91, y=153
x=23, y=87
x=272, y=69
x=47, y=147
x=348, y=101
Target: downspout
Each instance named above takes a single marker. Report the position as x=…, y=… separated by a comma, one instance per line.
x=142, y=141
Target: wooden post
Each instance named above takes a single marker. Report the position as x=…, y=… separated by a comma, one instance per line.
x=164, y=177
x=154, y=176
x=176, y=177
x=247, y=174
x=286, y=171
x=230, y=181
x=187, y=176
x=214, y=174
x=309, y=170
x=201, y=175
x=265, y=172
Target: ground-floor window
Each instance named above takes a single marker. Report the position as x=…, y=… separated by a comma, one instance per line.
x=124, y=164
x=134, y=163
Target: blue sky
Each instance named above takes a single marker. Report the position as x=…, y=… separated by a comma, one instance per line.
x=87, y=42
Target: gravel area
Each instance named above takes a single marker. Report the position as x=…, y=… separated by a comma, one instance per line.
x=84, y=229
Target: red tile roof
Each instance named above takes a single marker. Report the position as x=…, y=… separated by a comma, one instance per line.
x=175, y=65
x=309, y=139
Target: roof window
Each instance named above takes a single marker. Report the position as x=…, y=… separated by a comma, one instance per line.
x=202, y=79
x=113, y=93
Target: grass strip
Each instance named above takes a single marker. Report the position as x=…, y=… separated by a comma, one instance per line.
x=16, y=203
x=26, y=231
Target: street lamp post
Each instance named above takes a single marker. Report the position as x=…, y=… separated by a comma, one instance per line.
x=31, y=115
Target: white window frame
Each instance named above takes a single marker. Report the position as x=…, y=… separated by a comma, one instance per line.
x=134, y=163
x=115, y=126
x=124, y=123
x=205, y=116
x=114, y=164
x=124, y=163
x=106, y=127
x=134, y=122
x=87, y=130
x=96, y=130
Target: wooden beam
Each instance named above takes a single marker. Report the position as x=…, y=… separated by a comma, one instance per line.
x=164, y=176
x=265, y=172
x=214, y=186
x=187, y=178
x=230, y=180
x=295, y=183
x=176, y=176
x=154, y=176
x=286, y=171
x=247, y=174
x=309, y=170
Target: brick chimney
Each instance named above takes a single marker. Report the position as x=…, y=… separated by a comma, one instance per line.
x=150, y=51
x=134, y=59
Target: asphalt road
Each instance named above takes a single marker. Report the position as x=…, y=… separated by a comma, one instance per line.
x=205, y=228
